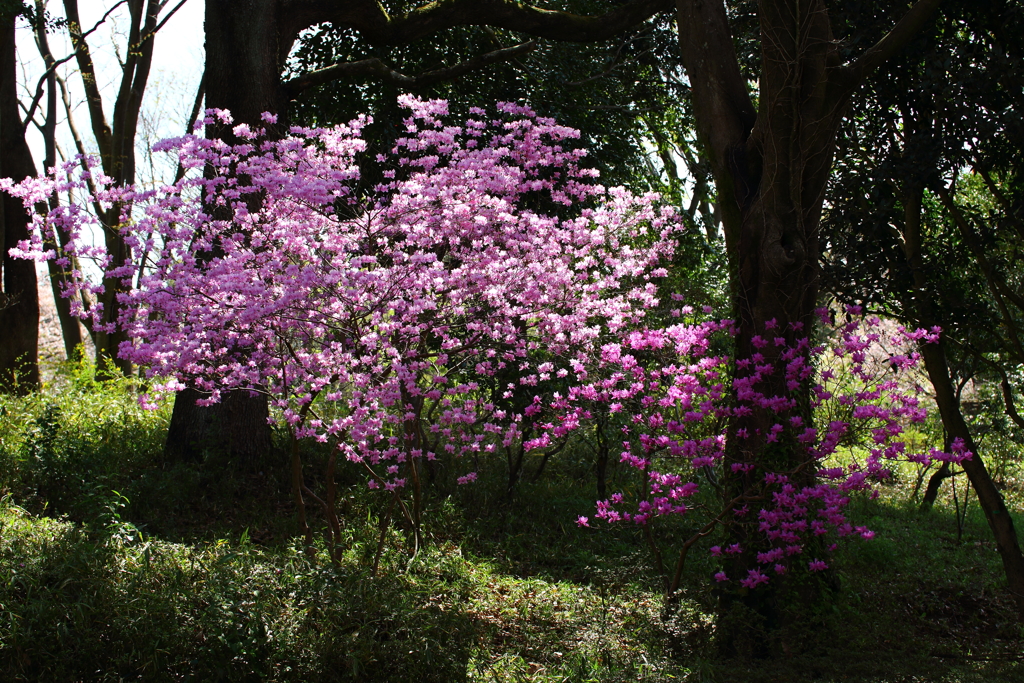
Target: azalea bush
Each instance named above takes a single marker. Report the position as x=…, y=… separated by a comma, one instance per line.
x=488, y=295
x=680, y=411
x=371, y=317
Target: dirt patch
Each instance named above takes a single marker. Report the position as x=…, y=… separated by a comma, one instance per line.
x=51, y=342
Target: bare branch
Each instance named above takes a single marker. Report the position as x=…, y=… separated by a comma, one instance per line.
x=200, y=94
x=52, y=69
x=1011, y=409
x=79, y=146
x=129, y=97
x=378, y=70
x=93, y=98
x=148, y=34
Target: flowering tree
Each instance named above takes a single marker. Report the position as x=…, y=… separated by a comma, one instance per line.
x=371, y=317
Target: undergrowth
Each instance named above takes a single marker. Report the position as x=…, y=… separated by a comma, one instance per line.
x=118, y=565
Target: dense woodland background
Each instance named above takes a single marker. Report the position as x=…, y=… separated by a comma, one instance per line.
x=821, y=153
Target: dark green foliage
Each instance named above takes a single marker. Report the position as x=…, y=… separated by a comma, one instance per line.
x=64, y=450
x=943, y=123
x=946, y=106
x=598, y=88
x=112, y=605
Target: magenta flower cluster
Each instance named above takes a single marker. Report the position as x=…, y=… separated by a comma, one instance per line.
x=678, y=404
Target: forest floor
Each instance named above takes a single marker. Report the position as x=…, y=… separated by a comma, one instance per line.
x=119, y=566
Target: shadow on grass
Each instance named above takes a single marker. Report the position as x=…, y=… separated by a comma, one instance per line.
x=113, y=605
x=140, y=584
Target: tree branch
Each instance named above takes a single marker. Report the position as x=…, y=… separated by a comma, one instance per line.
x=378, y=70
x=148, y=34
x=723, y=110
x=133, y=85
x=79, y=145
x=190, y=125
x=93, y=98
x=991, y=277
x=1011, y=409
x=373, y=22
x=52, y=69
x=856, y=72
x=1008, y=211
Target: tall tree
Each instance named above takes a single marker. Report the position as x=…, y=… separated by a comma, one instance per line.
x=771, y=163
x=115, y=138
x=19, y=302
x=71, y=329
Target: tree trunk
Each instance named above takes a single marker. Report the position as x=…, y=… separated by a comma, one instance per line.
x=244, y=58
x=998, y=517
x=236, y=426
x=115, y=138
x=243, y=69
x=70, y=327
x=19, y=300
x=934, y=484
x=770, y=173
x=71, y=332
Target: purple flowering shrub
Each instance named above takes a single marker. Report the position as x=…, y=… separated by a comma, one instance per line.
x=681, y=405
x=370, y=318
x=404, y=322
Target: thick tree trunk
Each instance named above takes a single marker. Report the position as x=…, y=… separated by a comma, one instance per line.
x=243, y=68
x=770, y=174
x=236, y=426
x=244, y=57
x=19, y=301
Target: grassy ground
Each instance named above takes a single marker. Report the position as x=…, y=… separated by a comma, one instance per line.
x=117, y=566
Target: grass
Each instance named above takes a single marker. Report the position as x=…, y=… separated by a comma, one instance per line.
x=116, y=565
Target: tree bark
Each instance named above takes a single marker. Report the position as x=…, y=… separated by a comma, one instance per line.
x=70, y=328
x=115, y=139
x=998, y=517
x=243, y=75
x=19, y=301
x=244, y=58
x=771, y=168
x=934, y=484
x=236, y=426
